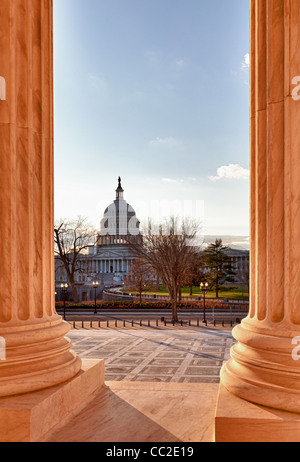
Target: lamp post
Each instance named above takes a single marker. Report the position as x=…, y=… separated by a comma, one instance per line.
x=95, y=285
x=64, y=290
x=203, y=288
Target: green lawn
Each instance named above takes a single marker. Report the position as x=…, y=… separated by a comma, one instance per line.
x=232, y=291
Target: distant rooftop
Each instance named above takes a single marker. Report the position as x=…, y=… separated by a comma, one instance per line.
x=234, y=242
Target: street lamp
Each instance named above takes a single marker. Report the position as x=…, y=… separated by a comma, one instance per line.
x=64, y=291
x=203, y=288
x=95, y=285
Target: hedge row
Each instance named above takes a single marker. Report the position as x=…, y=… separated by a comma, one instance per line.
x=136, y=305
x=121, y=304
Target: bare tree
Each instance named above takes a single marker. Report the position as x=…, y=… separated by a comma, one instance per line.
x=168, y=248
x=72, y=239
x=141, y=276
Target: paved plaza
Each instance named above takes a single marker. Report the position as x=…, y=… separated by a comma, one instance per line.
x=163, y=355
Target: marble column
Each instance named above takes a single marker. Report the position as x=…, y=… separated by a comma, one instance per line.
x=37, y=353
x=263, y=368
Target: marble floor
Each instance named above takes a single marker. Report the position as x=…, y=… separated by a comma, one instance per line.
x=149, y=355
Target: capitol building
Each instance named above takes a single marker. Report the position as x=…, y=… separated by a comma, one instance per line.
x=109, y=260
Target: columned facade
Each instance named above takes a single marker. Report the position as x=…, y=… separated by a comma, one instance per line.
x=263, y=368
x=37, y=353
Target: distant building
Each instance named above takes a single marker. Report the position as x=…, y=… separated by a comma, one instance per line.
x=240, y=263
x=109, y=260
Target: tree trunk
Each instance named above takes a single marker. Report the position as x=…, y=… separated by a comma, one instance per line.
x=173, y=293
x=157, y=285
x=75, y=293
x=72, y=283
x=179, y=294
x=191, y=289
x=174, y=311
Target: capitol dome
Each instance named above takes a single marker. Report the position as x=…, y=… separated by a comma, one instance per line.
x=109, y=260
x=119, y=221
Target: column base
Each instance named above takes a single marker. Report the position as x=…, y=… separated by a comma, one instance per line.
x=29, y=417
x=262, y=368
x=38, y=356
x=237, y=420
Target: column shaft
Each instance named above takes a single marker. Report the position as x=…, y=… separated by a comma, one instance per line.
x=37, y=355
x=262, y=368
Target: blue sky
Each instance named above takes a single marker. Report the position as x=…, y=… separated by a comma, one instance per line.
x=156, y=91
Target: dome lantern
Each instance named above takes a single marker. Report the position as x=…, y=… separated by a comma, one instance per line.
x=119, y=190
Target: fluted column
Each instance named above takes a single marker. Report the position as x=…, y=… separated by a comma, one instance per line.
x=37, y=353
x=263, y=369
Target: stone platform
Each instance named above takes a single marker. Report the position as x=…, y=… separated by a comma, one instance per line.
x=161, y=385
x=144, y=412
x=239, y=421
x=29, y=417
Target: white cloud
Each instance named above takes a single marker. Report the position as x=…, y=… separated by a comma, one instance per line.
x=179, y=180
x=231, y=172
x=246, y=61
x=171, y=180
x=168, y=142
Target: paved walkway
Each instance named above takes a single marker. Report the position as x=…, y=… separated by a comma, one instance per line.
x=148, y=355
